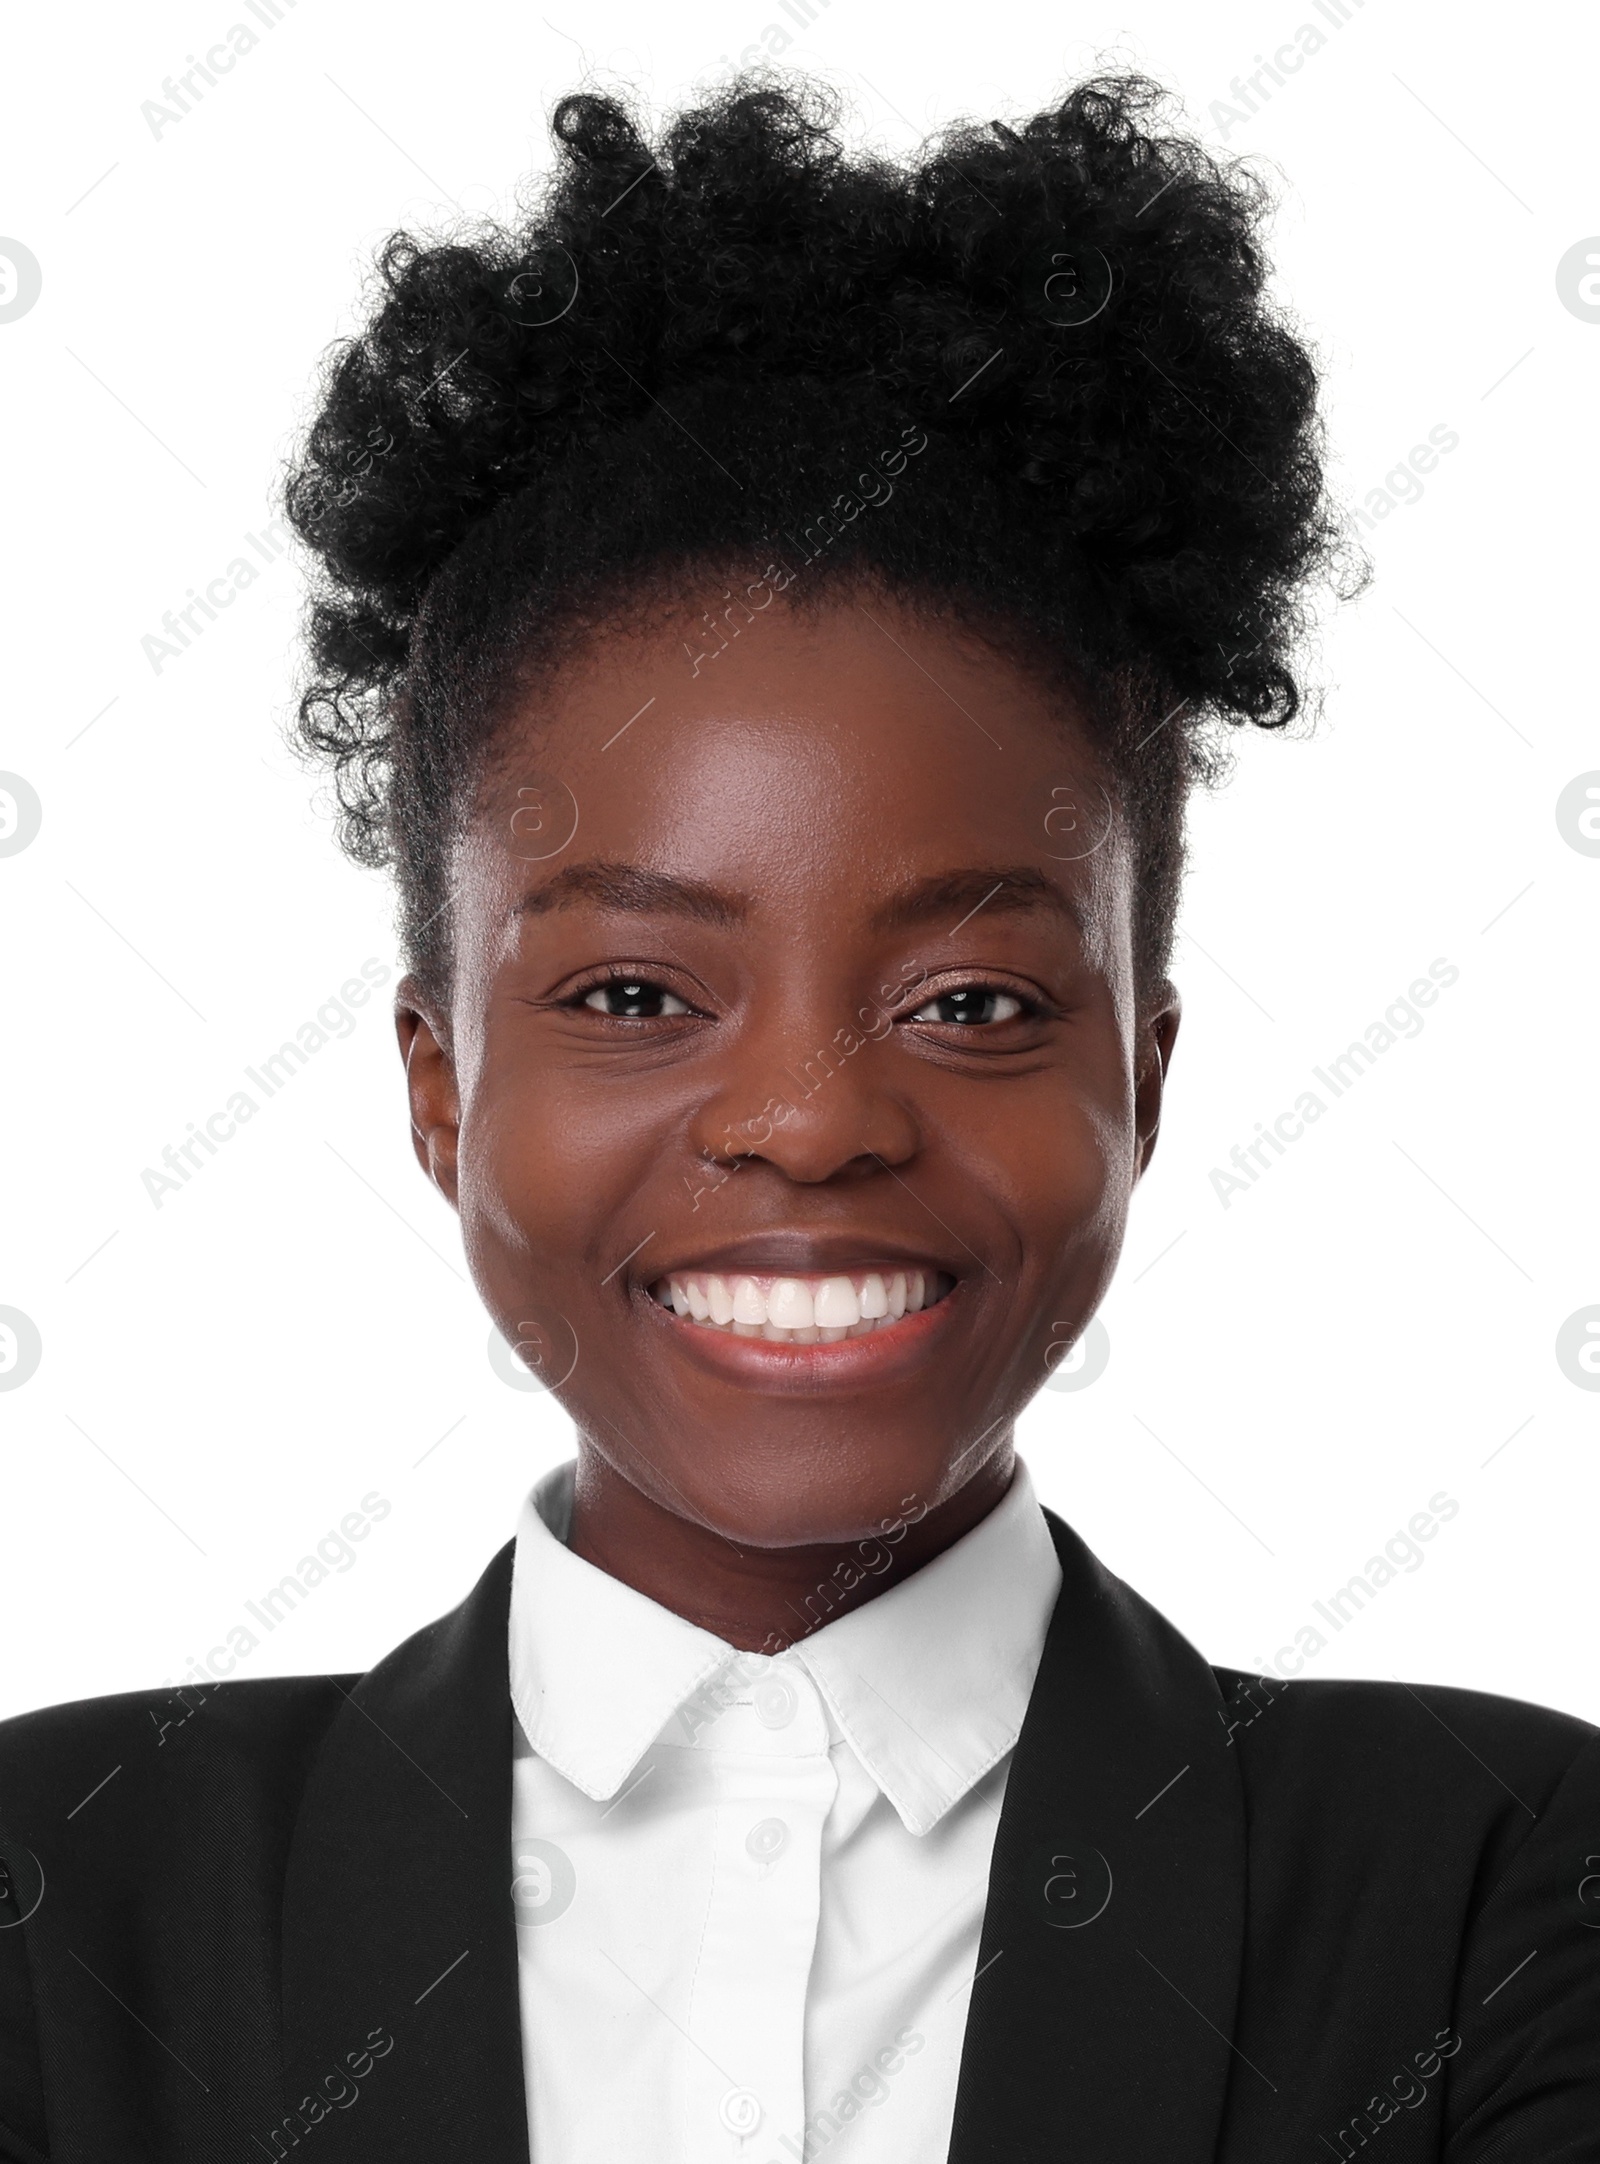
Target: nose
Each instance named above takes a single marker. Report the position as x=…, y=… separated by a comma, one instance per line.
x=815, y=1097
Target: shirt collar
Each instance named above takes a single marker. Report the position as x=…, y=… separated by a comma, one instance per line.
x=928, y=1682
x=596, y=1669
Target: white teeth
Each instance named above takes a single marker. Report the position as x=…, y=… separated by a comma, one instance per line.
x=799, y=1310
x=791, y=1307
x=838, y=1305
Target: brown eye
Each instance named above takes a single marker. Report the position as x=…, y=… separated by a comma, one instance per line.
x=972, y=1004
x=634, y=999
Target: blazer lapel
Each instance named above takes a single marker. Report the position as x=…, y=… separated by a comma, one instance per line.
x=1107, y=1979
x=401, y=2018
x=1108, y=1974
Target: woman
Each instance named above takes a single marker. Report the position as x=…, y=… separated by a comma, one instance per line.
x=773, y=607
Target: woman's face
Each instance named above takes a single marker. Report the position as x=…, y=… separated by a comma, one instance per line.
x=793, y=1084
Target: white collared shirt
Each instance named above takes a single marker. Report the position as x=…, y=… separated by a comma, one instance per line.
x=749, y=1888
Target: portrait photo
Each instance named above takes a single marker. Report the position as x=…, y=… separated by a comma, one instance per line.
x=800, y=851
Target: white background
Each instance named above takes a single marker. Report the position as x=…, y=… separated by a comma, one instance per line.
x=1292, y=1376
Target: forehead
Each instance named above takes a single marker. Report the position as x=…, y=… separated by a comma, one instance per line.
x=835, y=754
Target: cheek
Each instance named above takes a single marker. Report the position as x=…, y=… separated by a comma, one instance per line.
x=547, y=1166
x=1072, y=1218
x=1061, y=1160
x=1085, y=1179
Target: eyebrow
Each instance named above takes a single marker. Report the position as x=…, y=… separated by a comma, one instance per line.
x=961, y=894
x=630, y=887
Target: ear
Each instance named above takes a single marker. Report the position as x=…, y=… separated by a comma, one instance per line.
x=422, y=1027
x=1158, y=1030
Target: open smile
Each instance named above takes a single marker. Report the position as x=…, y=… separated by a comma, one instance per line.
x=792, y=1309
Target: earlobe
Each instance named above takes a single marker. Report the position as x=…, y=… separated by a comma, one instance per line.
x=435, y=1102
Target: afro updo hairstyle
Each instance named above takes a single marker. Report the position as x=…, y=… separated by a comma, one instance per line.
x=692, y=351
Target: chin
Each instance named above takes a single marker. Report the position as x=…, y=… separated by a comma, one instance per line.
x=816, y=1489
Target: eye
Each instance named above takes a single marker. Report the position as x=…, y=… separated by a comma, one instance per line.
x=970, y=1004
x=635, y=999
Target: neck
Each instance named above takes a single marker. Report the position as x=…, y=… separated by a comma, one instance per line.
x=760, y=1599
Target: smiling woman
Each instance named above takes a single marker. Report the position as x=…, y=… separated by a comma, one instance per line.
x=615, y=1027
x=790, y=1036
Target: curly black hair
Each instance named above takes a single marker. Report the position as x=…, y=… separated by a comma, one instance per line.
x=687, y=351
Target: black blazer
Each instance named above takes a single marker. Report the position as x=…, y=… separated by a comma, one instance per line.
x=1228, y=1920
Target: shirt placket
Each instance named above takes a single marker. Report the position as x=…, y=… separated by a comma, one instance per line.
x=773, y=1785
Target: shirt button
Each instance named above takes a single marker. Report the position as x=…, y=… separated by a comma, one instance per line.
x=740, y=2112
x=766, y=1840
x=775, y=1701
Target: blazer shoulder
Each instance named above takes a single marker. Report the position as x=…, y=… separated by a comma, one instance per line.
x=263, y=1732
x=1338, y=1707
x=1419, y=1753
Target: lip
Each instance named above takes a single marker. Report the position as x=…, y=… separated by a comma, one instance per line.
x=887, y=1356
